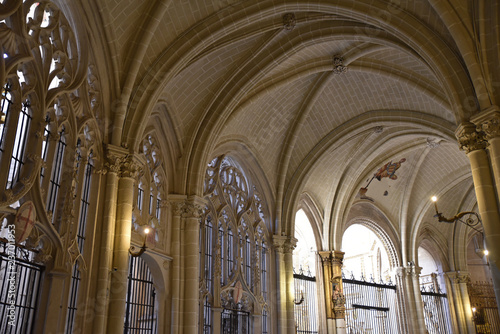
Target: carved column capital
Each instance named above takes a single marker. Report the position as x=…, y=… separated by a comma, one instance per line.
x=332, y=257
x=469, y=139
x=120, y=161
x=192, y=210
x=488, y=121
x=458, y=277
x=130, y=168
x=284, y=244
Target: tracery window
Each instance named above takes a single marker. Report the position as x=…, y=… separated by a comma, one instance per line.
x=148, y=194
x=45, y=100
x=233, y=263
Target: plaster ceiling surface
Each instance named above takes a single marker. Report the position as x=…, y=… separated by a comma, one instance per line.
x=264, y=84
x=265, y=123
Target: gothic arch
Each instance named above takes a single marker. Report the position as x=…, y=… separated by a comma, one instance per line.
x=375, y=220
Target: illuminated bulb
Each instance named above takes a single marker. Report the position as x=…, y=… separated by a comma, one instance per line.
x=473, y=309
x=146, y=230
x=434, y=198
x=486, y=252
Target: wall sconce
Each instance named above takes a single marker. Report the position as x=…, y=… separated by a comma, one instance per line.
x=471, y=219
x=143, y=248
x=301, y=297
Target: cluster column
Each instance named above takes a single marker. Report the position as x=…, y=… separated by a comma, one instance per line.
x=334, y=291
x=121, y=246
x=284, y=247
x=474, y=142
x=186, y=218
x=461, y=303
x=193, y=211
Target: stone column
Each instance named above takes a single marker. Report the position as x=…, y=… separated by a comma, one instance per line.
x=193, y=211
x=112, y=168
x=121, y=247
x=461, y=301
x=334, y=291
x=284, y=246
x=177, y=204
x=419, y=307
x=404, y=309
x=473, y=143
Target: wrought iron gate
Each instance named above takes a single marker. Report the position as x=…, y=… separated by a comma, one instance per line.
x=370, y=306
x=235, y=322
x=436, y=314
x=306, y=316
x=485, y=311
x=140, y=315
x=19, y=285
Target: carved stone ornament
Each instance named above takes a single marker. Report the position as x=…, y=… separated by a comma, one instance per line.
x=112, y=163
x=469, y=139
x=129, y=168
x=289, y=21
x=432, y=143
x=177, y=208
x=491, y=128
x=461, y=278
x=284, y=244
x=338, y=65
x=192, y=210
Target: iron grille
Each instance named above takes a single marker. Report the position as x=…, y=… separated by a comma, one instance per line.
x=370, y=306
x=18, y=300
x=482, y=299
x=235, y=322
x=306, y=315
x=436, y=315
x=140, y=311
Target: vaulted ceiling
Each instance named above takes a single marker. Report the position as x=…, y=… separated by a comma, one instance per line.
x=260, y=79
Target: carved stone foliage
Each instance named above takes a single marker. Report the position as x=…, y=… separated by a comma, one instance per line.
x=469, y=139
x=338, y=65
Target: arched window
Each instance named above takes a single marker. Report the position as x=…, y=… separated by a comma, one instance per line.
x=235, y=271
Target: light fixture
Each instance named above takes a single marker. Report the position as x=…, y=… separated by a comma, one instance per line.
x=468, y=218
x=141, y=251
x=486, y=252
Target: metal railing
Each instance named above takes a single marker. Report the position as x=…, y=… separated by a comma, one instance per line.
x=306, y=306
x=482, y=299
x=436, y=313
x=370, y=306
